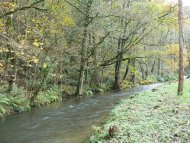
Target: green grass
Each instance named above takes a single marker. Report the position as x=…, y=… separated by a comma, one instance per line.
x=158, y=116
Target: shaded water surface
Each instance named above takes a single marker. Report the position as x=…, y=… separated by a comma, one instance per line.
x=66, y=122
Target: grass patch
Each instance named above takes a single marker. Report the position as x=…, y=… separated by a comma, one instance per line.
x=153, y=116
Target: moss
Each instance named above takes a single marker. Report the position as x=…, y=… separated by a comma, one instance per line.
x=153, y=116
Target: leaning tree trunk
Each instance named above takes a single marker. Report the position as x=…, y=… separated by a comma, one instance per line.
x=181, y=50
x=126, y=70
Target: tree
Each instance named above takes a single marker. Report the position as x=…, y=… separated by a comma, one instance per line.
x=83, y=46
x=181, y=48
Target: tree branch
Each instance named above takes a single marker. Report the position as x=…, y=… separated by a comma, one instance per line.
x=22, y=8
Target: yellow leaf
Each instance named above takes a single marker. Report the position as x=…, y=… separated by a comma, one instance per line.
x=44, y=65
x=36, y=61
x=36, y=43
x=22, y=53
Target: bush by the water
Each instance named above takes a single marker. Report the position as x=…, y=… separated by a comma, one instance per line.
x=18, y=102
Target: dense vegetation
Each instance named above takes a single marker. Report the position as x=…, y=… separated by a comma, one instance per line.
x=151, y=117
x=55, y=48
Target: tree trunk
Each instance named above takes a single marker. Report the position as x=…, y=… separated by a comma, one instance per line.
x=79, y=89
x=133, y=73
x=153, y=66
x=12, y=73
x=181, y=50
x=116, y=85
x=127, y=70
x=147, y=70
x=159, y=66
x=95, y=78
x=121, y=44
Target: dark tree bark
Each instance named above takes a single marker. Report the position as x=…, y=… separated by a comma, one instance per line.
x=127, y=70
x=153, y=67
x=133, y=75
x=159, y=66
x=116, y=85
x=181, y=48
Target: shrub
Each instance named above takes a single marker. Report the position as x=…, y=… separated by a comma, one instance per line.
x=88, y=93
x=149, y=80
x=19, y=104
x=47, y=97
x=68, y=90
x=126, y=84
x=166, y=78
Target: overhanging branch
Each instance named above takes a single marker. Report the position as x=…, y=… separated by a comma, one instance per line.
x=23, y=8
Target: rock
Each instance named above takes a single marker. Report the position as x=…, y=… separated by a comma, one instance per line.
x=112, y=131
x=157, y=106
x=154, y=90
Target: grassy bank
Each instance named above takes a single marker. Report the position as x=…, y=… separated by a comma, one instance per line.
x=153, y=116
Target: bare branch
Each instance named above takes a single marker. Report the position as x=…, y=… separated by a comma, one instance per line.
x=22, y=8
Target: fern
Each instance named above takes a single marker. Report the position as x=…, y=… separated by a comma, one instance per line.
x=2, y=109
x=47, y=97
x=41, y=100
x=19, y=104
x=4, y=100
x=53, y=98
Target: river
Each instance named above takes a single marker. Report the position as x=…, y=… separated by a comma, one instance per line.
x=65, y=122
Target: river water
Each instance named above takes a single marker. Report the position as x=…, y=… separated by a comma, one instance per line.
x=66, y=122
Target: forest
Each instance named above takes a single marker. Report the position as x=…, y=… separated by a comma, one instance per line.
x=52, y=50
x=79, y=48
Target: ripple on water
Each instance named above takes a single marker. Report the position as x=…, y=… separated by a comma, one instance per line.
x=33, y=127
x=45, y=118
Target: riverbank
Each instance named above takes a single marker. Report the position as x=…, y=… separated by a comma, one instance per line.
x=63, y=122
x=12, y=104
x=152, y=116
x=17, y=101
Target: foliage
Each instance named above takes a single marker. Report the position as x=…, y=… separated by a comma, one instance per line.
x=173, y=56
x=149, y=80
x=10, y=104
x=19, y=103
x=126, y=84
x=83, y=47
x=104, y=87
x=166, y=78
x=48, y=97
